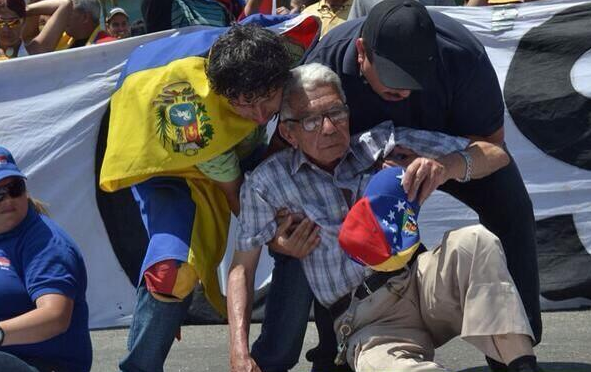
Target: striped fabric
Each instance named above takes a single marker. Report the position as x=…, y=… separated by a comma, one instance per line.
x=198, y=12
x=288, y=179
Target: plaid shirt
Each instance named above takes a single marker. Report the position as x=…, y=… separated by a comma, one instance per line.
x=288, y=180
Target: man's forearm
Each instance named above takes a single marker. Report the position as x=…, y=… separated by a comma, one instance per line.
x=45, y=7
x=487, y=158
x=240, y=294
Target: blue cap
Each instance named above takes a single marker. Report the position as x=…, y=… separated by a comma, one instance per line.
x=381, y=229
x=8, y=166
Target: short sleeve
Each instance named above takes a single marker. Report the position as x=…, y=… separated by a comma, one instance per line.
x=51, y=267
x=222, y=168
x=257, y=223
x=478, y=106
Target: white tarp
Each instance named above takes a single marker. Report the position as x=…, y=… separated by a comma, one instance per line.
x=51, y=107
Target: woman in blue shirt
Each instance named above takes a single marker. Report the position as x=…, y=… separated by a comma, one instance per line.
x=43, y=309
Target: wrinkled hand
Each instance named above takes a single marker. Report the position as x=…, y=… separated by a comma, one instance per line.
x=243, y=364
x=422, y=177
x=399, y=156
x=296, y=236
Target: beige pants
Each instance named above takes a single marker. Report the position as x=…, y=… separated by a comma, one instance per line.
x=462, y=288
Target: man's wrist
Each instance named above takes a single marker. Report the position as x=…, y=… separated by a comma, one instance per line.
x=2, y=335
x=469, y=166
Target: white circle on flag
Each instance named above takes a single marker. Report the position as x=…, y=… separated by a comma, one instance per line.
x=580, y=74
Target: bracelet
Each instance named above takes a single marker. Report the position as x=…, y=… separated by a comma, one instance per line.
x=468, y=160
x=1, y=336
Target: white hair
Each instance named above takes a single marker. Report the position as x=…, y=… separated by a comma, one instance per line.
x=92, y=7
x=307, y=78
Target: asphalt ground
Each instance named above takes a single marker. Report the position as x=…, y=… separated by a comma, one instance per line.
x=566, y=347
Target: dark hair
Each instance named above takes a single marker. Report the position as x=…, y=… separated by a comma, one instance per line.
x=248, y=60
x=17, y=6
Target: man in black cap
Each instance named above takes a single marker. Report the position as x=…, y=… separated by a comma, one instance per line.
x=424, y=70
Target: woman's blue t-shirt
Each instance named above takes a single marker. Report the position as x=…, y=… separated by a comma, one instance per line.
x=38, y=258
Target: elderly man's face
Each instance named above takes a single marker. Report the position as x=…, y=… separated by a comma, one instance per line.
x=327, y=142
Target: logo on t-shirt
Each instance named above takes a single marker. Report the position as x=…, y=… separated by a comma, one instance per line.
x=4, y=263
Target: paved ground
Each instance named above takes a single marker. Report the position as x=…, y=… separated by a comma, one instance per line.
x=566, y=347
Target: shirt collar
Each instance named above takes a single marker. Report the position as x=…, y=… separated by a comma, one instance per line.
x=298, y=159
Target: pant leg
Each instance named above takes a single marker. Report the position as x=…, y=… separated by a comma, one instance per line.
x=324, y=354
x=287, y=310
x=153, y=329
x=9, y=362
x=465, y=289
x=168, y=214
x=504, y=207
x=388, y=333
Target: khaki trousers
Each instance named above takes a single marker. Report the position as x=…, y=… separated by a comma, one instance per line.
x=462, y=288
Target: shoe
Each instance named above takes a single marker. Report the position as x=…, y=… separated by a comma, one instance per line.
x=527, y=363
x=496, y=366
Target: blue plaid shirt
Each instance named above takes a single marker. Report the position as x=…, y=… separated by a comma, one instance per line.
x=289, y=180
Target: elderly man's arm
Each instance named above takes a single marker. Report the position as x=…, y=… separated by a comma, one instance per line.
x=240, y=295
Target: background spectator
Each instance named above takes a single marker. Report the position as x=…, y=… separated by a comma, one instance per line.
x=331, y=12
x=12, y=28
x=138, y=27
x=83, y=26
x=118, y=23
x=166, y=14
x=361, y=8
x=44, y=314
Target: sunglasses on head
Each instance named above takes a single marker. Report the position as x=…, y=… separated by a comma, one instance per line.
x=10, y=23
x=13, y=189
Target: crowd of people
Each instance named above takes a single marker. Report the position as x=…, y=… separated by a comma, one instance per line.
x=382, y=111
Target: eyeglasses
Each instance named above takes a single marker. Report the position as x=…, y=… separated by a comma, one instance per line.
x=337, y=116
x=13, y=189
x=10, y=23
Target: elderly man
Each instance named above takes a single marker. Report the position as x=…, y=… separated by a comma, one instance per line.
x=322, y=175
x=424, y=70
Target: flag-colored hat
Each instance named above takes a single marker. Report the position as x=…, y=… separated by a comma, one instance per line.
x=8, y=166
x=381, y=229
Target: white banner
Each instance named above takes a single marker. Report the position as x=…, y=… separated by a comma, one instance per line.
x=51, y=107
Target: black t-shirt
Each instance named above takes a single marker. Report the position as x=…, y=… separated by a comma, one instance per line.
x=462, y=97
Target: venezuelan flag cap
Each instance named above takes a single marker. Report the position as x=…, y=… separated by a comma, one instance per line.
x=381, y=230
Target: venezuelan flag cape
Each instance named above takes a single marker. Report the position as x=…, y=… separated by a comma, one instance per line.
x=165, y=119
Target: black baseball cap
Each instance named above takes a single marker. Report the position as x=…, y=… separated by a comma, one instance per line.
x=401, y=36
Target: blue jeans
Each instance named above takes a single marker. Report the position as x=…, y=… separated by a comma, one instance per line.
x=153, y=328
x=287, y=310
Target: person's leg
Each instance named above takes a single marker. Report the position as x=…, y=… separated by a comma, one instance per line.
x=504, y=207
x=9, y=362
x=388, y=333
x=153, y=329
x=287, y=309
x=324, y=354
x=166, y=281
x=465, y=289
